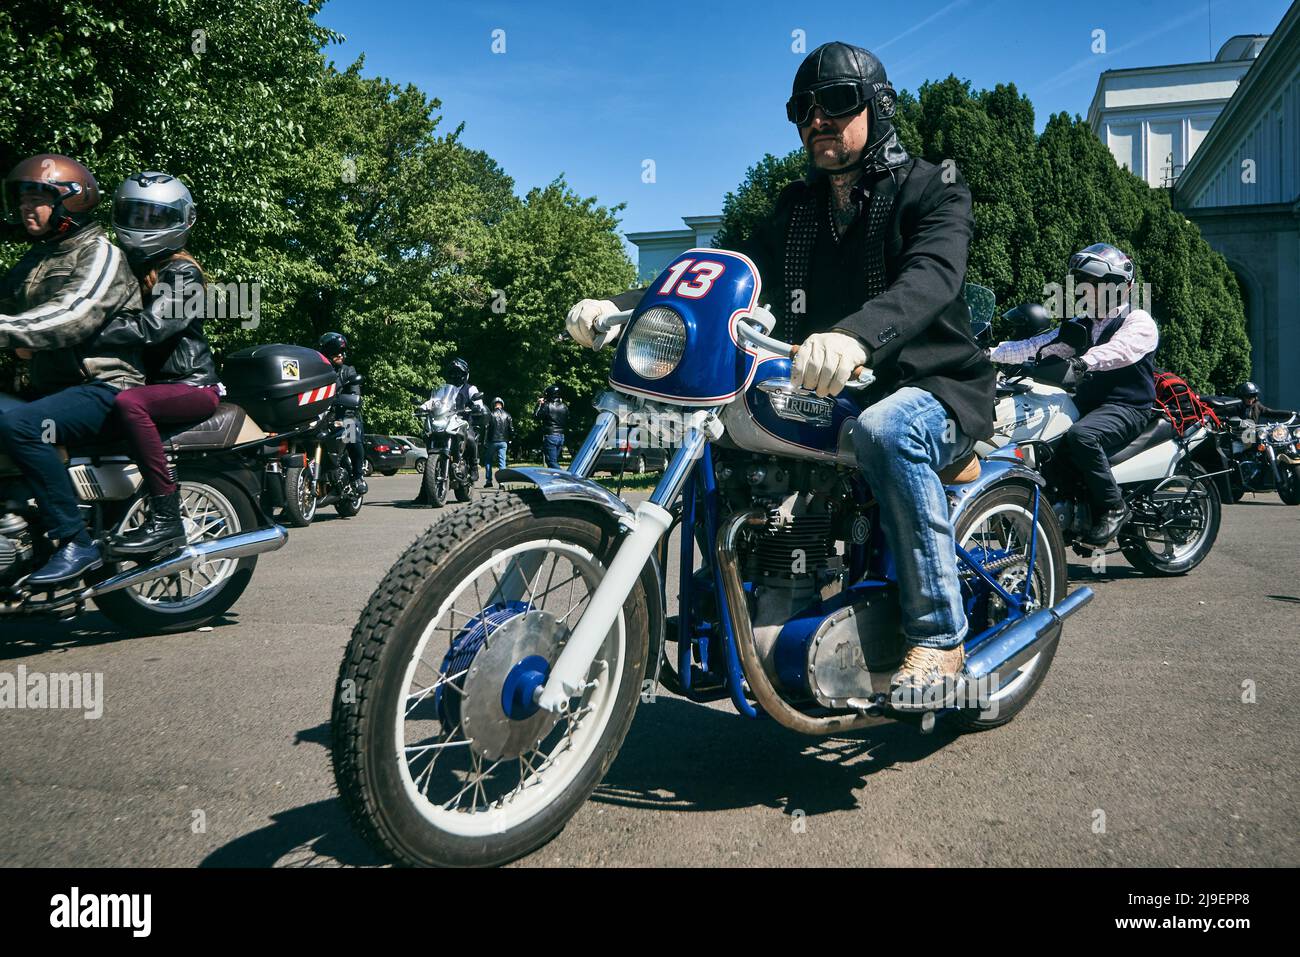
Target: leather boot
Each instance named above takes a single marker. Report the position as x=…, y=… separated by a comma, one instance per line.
x=163, y=531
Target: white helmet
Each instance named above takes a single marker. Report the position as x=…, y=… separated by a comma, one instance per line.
x=152, y=214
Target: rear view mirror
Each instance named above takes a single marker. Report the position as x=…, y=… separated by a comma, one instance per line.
x=1075, y=336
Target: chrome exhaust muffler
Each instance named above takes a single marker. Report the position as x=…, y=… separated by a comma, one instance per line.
x=238, y=546
x=1010, y=648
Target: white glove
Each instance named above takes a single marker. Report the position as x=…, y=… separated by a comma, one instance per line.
x=581, y=322
x=825, y=362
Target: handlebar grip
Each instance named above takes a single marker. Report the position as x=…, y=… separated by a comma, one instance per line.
x=860, y=378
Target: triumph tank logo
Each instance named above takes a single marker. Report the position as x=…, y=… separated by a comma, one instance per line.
x=807, y=407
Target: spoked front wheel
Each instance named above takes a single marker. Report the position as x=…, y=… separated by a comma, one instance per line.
x=439, y=753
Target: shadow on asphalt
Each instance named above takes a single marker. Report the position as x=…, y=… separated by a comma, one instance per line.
x=37, y=636
x=314, y=835
x=750, y=763
x=1082, y=574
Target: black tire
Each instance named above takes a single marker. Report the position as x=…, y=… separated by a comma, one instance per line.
x=127, y=611
x=349, y=507
x=1141, y=558
x=385, y=638
x=436, y=481
x=299, y=497
x=419, y=466
x=464, y=493
x=1290, y=490
x=1051, y=562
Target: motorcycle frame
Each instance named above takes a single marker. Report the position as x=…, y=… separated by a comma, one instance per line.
x=690, y=472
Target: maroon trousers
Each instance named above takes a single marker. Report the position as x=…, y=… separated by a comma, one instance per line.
x=142, y=409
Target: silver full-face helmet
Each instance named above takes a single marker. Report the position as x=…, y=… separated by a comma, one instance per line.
x=152, y=215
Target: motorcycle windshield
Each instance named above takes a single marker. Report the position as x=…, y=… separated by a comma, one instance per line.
x=981, y=302
x=443, y=400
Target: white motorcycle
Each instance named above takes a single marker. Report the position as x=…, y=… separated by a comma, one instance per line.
x=1172, y=483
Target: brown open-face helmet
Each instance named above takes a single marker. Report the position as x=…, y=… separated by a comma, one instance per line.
x=70, y=186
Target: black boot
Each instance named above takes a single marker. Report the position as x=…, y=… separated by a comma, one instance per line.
x=163, y=531
x=1108, y=525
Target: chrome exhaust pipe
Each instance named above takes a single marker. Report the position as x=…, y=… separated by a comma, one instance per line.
x=238, y=546
x=1007, y=650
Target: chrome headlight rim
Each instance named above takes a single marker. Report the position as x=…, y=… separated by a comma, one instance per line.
x=656, y=343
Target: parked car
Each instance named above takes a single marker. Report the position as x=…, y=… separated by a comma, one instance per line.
x=383, y=455
x=632, y=460
x=416, y=453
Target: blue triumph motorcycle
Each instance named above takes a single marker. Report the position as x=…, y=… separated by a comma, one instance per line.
x=494, y=673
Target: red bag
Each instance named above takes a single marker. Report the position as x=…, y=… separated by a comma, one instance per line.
x=1182, y=406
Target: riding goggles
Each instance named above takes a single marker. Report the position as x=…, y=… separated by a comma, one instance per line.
x=835, y=99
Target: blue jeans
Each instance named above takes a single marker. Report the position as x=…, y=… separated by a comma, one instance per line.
x=68, y=417
x=901, y=443
x=551, y=445
x=496, y=456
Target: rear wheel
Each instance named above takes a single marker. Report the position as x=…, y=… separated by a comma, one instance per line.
x=1174, y=525
x=299, y=497
x=212, y=507
x=439, y=756
x=349, y=503
x=996, y=529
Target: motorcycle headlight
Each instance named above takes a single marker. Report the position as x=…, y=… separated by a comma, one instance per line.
x=656, y=343
x=1280, y=433
x=440, y=421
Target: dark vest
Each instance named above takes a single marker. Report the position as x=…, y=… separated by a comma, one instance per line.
x=1133, y=385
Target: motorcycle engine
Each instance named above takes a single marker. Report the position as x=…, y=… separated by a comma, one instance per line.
x=15, y=546
x=816, y=638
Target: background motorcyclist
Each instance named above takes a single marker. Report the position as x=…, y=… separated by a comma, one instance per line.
x=867, y=258
x=152, y=216
x=70, y=282
x=1256, y=411
x=1117, y=389
x=500, y=430
x=469, y=400
x=553, y=415
x=334, y=346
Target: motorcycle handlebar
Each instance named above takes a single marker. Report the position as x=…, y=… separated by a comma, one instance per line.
x=754, y=335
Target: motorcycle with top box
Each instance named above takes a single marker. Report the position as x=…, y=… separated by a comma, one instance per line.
x=494, y=673
x=228, y=470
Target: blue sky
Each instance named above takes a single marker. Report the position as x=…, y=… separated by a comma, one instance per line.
x=593, y=89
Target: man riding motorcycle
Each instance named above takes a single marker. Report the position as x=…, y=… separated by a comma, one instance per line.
x=469, y=400
x=1116, y=389
x=68, y=285
x=1255, y=410
x=334, y=346
x=867, y=257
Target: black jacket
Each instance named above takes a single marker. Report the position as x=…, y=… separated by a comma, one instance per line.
x=500, y=426
x=348, y=408
x=553, y=415
x=918, y=330
x=1262, y=413
x=169, y=328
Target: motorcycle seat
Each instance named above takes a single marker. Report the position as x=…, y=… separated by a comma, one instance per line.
x=1158, y=430
x=228, y=425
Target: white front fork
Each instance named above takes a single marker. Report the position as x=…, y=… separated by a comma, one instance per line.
x=568, y=678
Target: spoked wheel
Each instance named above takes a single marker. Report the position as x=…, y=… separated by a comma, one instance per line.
x=211, y=508
x=997, y=529
x=1290, y=489
x=439, y=753
x=1175, y=524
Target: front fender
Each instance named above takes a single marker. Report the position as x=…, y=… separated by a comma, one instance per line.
x=557, y=485
x=995, y=470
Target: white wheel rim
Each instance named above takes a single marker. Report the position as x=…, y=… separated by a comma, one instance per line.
x=1043, y=549
x=207, y=515
x=542, y=779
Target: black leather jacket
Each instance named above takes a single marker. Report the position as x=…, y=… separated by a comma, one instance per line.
x=168, y=328
x=349, y=407
x=552, y=415
x=500, y=426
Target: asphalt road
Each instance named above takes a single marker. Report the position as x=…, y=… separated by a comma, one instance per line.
x=1138, y=750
